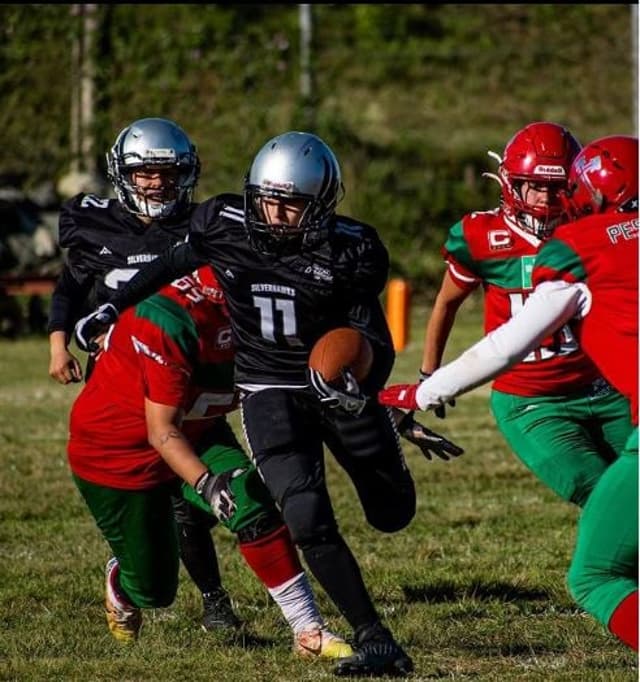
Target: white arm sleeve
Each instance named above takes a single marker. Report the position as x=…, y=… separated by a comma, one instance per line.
x=547, y=309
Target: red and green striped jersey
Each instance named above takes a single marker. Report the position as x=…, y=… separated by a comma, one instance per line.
x=602, y=251
x=482, y=249
x=174, y=348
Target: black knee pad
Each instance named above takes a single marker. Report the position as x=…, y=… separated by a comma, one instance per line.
x=308, y=516
x=321, y=545
x=393, y=519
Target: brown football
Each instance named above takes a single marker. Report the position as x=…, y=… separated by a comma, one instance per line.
x=340, y=348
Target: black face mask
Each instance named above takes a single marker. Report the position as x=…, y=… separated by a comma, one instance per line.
x=268, y=244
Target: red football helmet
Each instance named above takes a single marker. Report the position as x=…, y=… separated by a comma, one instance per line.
x=604, y=177
x=208, y=283
x=540, y=153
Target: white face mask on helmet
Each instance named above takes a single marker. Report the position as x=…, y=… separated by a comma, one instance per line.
x=153, y=209
x=542, y=228
x=153, y=145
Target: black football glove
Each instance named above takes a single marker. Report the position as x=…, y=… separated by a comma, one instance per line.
x=94, y=325
x=215, y=490
x=430, y=442
x=439, y=411
x=350, y=399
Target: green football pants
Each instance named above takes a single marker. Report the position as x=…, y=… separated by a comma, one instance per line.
x=567, y=441
x=604, y=568
x=251, y=496
x=139, y=525
x=140, y=528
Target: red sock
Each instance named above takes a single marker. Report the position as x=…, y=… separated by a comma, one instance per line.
x=272, y=558
x=624, y=621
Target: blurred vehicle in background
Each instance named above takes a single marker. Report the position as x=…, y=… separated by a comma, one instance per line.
x=30, y=258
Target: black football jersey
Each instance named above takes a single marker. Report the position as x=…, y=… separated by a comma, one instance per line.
x=281, y=305
x=107, y=245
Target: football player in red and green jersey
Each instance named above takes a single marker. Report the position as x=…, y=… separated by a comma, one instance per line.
x=568, y=449
x=164, y=382
x=586, y=275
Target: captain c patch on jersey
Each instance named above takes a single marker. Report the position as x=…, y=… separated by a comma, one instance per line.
x=499, y=239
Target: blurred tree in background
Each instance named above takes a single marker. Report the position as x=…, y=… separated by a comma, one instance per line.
x=410, y=97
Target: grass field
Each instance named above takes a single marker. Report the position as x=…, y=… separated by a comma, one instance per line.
x=474, y=588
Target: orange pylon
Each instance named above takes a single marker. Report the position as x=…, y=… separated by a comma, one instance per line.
x=398, y=311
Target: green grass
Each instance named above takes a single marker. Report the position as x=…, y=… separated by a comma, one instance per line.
x=475, y=587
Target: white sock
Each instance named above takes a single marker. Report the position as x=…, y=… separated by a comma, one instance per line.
x=297, y=603
x=116, y=595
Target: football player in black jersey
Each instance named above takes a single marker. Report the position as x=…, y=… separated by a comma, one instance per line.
x=291, y=269
x=154, y=168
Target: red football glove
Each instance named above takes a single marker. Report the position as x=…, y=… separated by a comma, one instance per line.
x=400, y=395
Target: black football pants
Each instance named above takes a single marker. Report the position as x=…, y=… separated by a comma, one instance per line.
x=286, y=431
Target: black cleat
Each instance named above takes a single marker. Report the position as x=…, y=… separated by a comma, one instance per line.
x=217, y=612
x=377, y=654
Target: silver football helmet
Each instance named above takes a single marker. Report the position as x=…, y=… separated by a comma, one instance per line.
x=148, y=145
x=299, y=166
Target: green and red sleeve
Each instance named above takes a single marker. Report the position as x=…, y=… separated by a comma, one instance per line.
x=166, y=341
x=557, y=260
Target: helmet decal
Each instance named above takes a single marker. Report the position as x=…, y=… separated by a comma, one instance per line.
x=604, y=177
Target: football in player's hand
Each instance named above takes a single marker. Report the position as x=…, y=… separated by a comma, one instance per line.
x=342, y=348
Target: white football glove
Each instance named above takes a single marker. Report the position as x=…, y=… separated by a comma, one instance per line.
x=94, y=325
x=350, y=399
x=215, y=490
